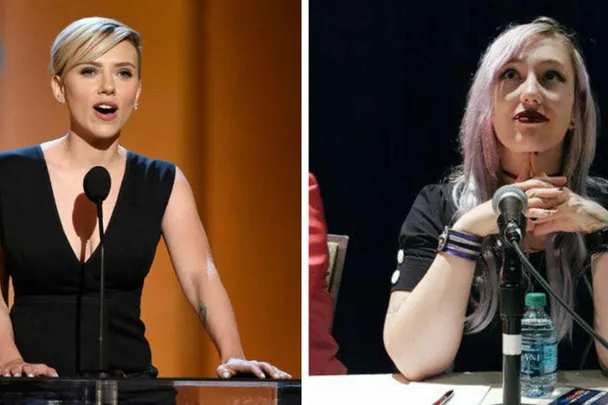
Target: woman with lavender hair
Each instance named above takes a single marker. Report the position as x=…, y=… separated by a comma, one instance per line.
x=530, y=121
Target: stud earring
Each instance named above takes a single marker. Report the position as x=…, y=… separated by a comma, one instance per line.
x=60, y=98
x=136, y=105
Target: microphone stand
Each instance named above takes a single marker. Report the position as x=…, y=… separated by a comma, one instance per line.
x=101, y=372
x=511, y=293
x=512, y=229
x=512, y=310
x=102, y=287
x=97, y=184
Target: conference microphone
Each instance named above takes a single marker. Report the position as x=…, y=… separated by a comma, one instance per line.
x=97, y=184
x=509, y=202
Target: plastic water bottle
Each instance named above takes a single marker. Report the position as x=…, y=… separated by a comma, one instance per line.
x=538, y=349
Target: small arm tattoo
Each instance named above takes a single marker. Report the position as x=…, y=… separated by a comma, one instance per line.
x=202, y=314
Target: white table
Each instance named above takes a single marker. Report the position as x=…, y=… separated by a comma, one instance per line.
x=391, y=389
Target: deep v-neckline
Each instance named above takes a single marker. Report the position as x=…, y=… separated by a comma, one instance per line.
x=61, y=228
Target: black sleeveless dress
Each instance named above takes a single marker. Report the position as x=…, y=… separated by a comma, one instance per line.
x=55, y=315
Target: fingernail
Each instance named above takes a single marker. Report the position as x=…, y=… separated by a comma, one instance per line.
x=17, y=375
x=226, y=374
x=7, y=375
x=55, y=375
x=30, y=375
x=262, y=375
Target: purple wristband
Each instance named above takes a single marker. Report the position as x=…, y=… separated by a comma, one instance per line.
x=463, y=255
x=461, y=244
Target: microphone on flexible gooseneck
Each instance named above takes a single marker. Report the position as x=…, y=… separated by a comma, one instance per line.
x=97, y=183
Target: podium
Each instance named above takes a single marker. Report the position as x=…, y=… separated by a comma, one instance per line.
x=157, y=391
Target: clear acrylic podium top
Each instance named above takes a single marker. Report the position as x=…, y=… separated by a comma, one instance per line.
x=157, y=391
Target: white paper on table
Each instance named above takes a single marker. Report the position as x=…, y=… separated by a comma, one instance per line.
x=383, y=389
x=428, y=393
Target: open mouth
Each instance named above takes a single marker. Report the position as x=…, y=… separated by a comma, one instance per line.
x=106, y=108
x=530, y=117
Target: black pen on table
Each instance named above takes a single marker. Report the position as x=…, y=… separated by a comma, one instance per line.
x=444, y=398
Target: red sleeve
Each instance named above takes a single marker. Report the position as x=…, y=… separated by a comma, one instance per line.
x=322, y=347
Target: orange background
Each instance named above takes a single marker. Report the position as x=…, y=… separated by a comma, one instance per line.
x=221, y=99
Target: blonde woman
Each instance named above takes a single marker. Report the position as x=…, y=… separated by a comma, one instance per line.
x=49, y=235
x=530, y=120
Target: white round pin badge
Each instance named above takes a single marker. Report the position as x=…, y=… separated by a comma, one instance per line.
x=395, y=276
x=400, y=256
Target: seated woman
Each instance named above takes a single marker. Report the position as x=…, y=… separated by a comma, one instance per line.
x=530, y=121
x=49, y=235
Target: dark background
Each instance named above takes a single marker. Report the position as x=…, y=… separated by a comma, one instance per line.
x=388, y=83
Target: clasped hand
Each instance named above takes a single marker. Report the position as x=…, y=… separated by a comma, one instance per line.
x=552, y=207
x=559, y=209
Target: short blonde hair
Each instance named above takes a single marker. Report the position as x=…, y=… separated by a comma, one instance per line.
x=75, y=43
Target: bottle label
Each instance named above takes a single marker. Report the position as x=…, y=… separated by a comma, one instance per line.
x=550, y=358
x=538, y=359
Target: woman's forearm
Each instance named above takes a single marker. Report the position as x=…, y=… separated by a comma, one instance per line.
x=215, y=312
x=8, y=349
x=422, y=333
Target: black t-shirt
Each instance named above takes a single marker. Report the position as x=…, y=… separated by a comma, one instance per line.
x=434, y=209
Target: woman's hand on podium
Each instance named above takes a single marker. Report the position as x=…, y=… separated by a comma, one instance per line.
x=258, y=368
x=18, y=368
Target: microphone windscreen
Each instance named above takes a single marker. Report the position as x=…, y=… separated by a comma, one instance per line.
x=508, y=191
x=97, y=183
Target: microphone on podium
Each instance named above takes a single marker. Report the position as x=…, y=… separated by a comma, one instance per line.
x=97, y=184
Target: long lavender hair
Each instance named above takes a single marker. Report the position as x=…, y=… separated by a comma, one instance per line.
x=480, y=174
